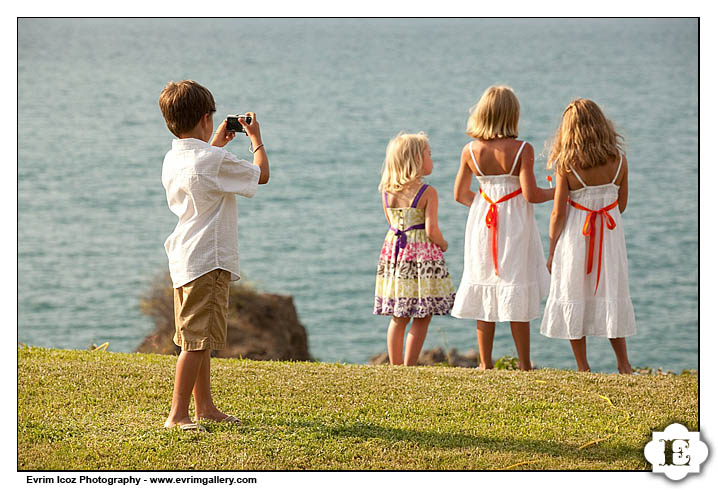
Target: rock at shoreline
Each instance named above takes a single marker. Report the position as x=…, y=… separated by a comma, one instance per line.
x=432, y=357
x=260, y=326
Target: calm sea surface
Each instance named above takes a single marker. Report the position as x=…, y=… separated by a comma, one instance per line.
x=329, y=94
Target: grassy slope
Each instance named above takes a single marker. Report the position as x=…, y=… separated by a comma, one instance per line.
x=98, y=410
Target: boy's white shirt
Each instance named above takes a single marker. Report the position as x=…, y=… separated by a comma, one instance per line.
x=201, y=181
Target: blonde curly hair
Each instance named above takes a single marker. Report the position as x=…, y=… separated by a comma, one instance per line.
x=403, y=162
x=584, y=139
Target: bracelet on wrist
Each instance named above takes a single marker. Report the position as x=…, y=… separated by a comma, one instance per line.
x=255, y=150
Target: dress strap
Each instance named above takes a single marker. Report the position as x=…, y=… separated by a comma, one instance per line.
x=418, y=195
x=476, y=164
x=620, y=161
x=516, y=159
x=578, y=176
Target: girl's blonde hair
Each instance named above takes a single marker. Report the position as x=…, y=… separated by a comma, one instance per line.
x=403, y=162
x=584, y=139
x=496, y=115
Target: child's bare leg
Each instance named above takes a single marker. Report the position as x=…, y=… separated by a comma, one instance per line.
x=522, y=338
x=188, y=365
x=204, y=407
x=415, y=339
x=395, y=339
x=485, y=336
x=619, y=347
x=579, y=352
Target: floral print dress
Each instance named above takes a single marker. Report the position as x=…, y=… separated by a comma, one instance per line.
x=412, y=279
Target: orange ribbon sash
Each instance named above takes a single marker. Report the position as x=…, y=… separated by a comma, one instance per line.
x=589, y=230
x=492, y=223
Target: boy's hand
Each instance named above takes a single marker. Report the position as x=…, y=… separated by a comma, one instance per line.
x=252, y=130
x=222, y=136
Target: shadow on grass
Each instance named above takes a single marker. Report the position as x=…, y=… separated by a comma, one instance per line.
x=606, y=451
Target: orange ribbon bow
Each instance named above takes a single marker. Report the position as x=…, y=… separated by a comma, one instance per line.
x=492, y=223
x=589, y=230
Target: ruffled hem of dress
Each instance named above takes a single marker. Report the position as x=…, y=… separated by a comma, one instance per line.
x=498, y=302
x=413, y=307
x=603, y=318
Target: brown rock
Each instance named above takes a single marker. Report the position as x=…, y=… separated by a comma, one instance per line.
x=431, y=357
x=260, y=326
x=382, y=358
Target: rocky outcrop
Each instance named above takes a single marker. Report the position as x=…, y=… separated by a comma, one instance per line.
x=260, y=326
x=436, y=356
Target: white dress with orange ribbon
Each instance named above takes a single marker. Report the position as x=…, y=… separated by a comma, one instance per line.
x=589, y=274
x=505, y=273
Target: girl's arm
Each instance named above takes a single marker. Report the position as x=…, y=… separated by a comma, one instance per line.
x=529, y=190
x=558, y=215
x=623, y=187
x=462, y=185
x=432, y=223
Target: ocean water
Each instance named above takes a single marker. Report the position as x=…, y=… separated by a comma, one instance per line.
x=329, y=94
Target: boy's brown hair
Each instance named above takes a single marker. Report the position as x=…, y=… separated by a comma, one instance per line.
x=183, y=104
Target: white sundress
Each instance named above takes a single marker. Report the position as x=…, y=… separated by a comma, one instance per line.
x=581, y=303
x=511, y=288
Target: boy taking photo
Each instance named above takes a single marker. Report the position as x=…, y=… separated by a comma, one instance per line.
x=201, y=179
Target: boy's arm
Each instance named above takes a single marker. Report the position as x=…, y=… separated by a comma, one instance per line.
x=237, y=176
x=222, y=136
x=260, y=154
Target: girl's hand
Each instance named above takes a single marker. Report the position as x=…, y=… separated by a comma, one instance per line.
x=444, y=246
x=548, y=263
x=222, y=136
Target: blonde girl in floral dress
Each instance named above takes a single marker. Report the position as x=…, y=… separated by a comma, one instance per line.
x=412, y=280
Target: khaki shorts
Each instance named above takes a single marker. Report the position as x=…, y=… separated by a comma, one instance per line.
x=201, y=312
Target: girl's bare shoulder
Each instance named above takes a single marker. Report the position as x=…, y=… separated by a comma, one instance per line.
x=429, y=195
x=624, y=170
x=467, y=148
x=528, y=151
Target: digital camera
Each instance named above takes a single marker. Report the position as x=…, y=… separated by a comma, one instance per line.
x=233, y=123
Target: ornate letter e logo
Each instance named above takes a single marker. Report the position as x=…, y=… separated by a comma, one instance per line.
x=676, y=452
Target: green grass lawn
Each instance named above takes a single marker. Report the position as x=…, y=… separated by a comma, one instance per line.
x=82, y=410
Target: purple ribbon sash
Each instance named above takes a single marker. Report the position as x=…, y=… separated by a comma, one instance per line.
x=401, y=234
x=401, y=238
